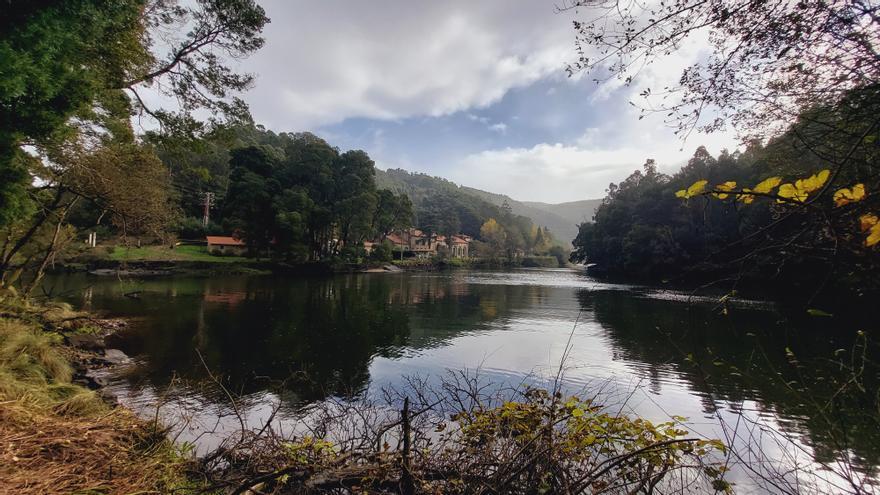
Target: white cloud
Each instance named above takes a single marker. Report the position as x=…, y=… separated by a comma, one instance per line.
x=606, y=152
x=500, y=127
x=324, y=62
x=556, y=172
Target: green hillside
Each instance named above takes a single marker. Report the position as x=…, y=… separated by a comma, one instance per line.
x=441, y=205
x=561, y=219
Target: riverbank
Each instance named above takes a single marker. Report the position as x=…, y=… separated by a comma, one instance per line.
x=59, y=433
x=156, y=261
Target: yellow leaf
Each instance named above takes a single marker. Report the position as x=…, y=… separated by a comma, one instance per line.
x=727, y=186
x=868, y=221
x=814, y=182
x=846, y=196
x=792, y=192
x=767, y=185
x=696, y=188
x=746, y=198
x=873, y=235
x=577, y=412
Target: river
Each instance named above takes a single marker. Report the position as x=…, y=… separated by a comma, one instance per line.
x=656, y=353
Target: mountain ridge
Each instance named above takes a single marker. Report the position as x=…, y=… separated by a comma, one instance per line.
x=561, y=218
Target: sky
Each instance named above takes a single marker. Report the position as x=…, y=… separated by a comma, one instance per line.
x=475, y=92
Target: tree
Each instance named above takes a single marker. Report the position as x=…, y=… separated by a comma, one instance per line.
x=355, y=196
x=769, y=61
x=493, y=234
x=249, y=208
x=393, y=212
x=383, y=252
x=770, y=215
x=200, y=36
x=56, y=59
x=128, y=182
x=70, y=76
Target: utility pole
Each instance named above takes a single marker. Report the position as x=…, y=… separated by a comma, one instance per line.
x=209, y=202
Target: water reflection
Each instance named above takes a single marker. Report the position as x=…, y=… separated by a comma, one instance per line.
x=309, y=338
x=787, y=367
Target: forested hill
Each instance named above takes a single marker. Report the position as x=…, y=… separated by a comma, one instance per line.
x=561, y=219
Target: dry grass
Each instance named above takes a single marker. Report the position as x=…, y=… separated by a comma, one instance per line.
x=58, y=437
x=111, y=453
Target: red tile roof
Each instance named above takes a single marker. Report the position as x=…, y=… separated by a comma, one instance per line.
x=395, y=239
x=222, y=240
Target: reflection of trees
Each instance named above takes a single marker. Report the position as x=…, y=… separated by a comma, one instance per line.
x=743, y=356
x=317, y=336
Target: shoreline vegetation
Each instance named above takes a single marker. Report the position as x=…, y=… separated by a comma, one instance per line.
x=62, y=434
x=150, y=261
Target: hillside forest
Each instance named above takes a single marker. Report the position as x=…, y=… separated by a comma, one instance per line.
x=305, y=200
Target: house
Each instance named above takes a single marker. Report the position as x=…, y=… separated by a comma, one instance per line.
x=458, y=246
x=219, y=244
x=414, y=242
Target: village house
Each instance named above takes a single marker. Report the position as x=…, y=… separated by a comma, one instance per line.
x=416, y=243
x=219, y=244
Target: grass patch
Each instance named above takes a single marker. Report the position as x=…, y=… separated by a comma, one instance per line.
x=59, y=437
x=164, y=253
x=114, y=452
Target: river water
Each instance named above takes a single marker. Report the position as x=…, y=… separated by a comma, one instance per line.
x=741, y=371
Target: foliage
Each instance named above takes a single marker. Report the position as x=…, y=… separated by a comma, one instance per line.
x=383, y=252
x=129, y=182
x=56, y=59
x=767, y=62
x=71, y=77
x=443, y=207
x=494, y=236
x=532, y=441
x=305, y=200
x=393, y=212
x=598, y=451
x=781, y=212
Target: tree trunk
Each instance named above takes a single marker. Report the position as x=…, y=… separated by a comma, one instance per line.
x=26, y=237
x=50, y=250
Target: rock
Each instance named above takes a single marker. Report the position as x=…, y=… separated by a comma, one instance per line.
x=110, y=325
x=115, y=356
x=90, y=381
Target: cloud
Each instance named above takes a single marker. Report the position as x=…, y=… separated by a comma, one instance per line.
x=325, y=62
x=500, y=127
x=355, y=69
x=557, y=172
x=609, y=149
